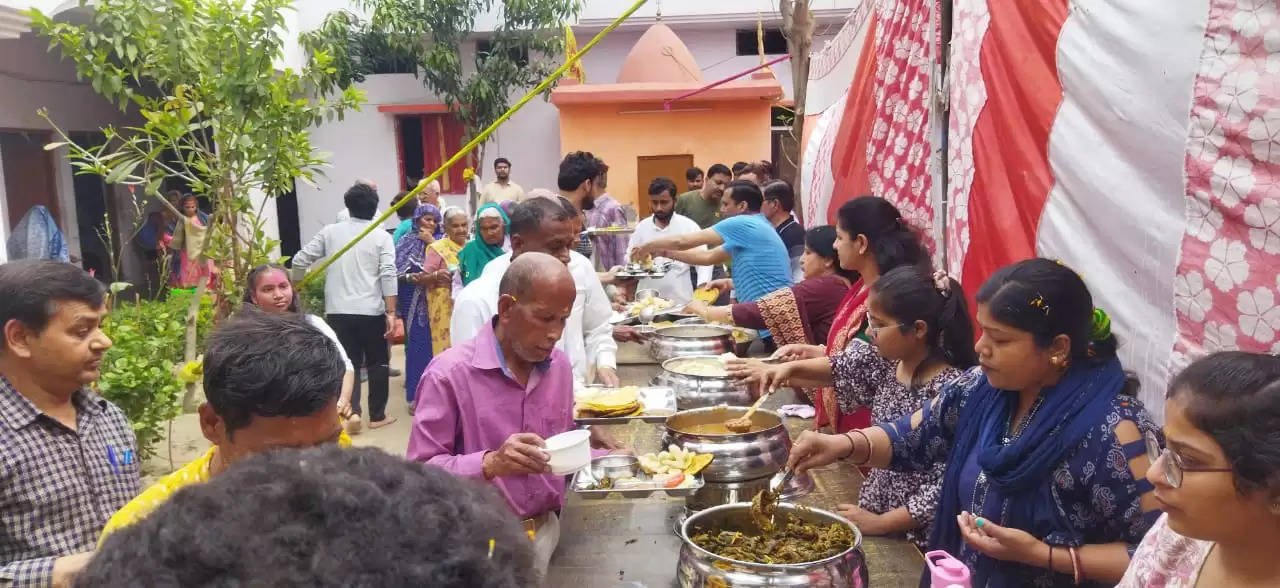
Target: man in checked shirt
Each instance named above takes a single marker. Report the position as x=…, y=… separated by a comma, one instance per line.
x=68, y=458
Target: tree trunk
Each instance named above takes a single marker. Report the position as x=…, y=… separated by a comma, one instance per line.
x=472, y=193
x=797, y=26
x=189, y=401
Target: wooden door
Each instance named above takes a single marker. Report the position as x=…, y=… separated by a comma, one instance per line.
x=28, y=174
x=649, y=167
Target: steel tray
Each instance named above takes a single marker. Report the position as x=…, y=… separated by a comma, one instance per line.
x=659, y=403
x=583, y=478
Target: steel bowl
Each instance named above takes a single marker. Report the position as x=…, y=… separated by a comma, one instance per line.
x=738, y=456
x=702, y=391
x=698, y=567
x=686, y=340
x=615, y=467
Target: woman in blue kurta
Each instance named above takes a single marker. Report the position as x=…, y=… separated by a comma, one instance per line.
x=411, y=299
x=1044, y=444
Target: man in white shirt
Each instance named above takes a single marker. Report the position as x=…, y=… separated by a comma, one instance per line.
x=359, y=294
x=675, y=285
x=546, y=226
x=344, y=214
x=502, y=188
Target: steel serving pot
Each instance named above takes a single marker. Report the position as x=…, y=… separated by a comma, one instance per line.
x=685, y=340
x=698, y=568
x=738, y=456
x=717, y=493
x=701, y=391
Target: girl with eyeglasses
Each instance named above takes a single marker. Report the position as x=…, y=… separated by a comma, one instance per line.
x=921, y=339
x=1217, y=479
x=1043, y=447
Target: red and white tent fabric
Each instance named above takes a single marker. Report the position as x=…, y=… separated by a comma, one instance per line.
x=870, y=109
x=1136, y=140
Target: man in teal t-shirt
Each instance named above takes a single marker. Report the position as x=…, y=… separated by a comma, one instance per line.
x=746, y=238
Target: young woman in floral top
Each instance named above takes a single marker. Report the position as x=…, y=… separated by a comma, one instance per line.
x=1044, y=447
x=1218, y=480
x=923, y=339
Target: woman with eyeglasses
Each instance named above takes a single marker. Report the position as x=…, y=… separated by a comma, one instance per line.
x=1043, y=447
x=1218, y=478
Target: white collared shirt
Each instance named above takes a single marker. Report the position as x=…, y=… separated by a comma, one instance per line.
x=588, y=336
x=675, y=286
x=357, y=282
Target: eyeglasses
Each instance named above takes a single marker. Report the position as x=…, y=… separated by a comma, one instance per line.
x=874, y=332
x=1173, y=466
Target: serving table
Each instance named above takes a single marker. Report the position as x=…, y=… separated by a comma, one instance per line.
x=617, y=542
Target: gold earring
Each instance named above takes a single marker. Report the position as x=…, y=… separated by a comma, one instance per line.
x=1056, y=361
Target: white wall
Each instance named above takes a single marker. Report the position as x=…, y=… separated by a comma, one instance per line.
x=31, y=78
x=361, y=146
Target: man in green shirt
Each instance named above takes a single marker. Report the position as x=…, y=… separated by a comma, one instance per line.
x=703, y=206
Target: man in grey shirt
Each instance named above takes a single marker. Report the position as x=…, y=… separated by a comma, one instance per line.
x=359, y=295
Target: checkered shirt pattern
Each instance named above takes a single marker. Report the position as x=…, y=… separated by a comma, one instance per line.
x=57, y=486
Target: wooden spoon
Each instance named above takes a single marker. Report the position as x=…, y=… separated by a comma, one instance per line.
x=742, y=424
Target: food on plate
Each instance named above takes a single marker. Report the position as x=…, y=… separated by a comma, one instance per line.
x=699, y=463
x=674, y=460
x=711, y=367
x=671, y=481
x=617, y=402
x=653, y=302
x=671, y=469
x=706, y=295
x=795, y=541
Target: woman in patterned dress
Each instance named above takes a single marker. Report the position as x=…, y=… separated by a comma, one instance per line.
x=1044, y=446
x=1219, y=479
x=871, y=239
x=922, y=337
x=411, y=260
x=193, y=265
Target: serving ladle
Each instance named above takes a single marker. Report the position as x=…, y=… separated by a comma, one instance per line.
x=742, y=424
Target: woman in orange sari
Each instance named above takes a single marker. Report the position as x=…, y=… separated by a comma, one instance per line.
x=871, y=239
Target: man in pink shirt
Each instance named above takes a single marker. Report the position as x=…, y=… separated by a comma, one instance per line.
x=485, y=405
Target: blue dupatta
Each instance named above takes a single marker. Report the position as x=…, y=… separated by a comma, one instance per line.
x=1022, y=472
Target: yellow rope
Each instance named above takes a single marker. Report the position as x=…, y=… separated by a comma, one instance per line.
x=413, y=194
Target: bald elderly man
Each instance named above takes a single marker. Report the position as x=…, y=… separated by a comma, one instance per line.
x=486, y=405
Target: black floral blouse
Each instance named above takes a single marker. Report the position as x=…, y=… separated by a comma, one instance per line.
x=864, y=378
